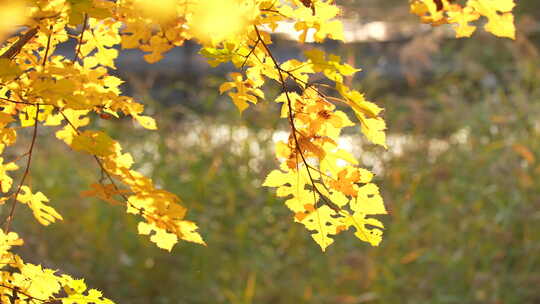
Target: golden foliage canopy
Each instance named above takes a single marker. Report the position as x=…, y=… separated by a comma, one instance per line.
x=325, y=187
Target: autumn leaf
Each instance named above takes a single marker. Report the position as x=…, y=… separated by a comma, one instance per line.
x=44, y=214
x=5, y=180
x=105, y=192
x=160, y=236
x=9, y=70
x=7, y=240
x=93, y=142
x=146, y=122
x=500, y=19
x=324, y=222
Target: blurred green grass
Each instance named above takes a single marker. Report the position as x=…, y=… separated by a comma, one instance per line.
x=463, y=226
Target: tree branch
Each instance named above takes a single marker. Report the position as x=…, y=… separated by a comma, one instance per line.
x=17, y=46
x=293, y=127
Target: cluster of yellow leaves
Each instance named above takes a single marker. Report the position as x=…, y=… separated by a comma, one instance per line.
x=152, y=26
x=318, y=17
x=39, y=86
x=326, y=190
x=246, y=90
x=32, y=283
x=500, y=20
x=159, y=26
x=58, y=91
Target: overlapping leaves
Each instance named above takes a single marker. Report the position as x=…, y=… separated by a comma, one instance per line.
x=324, y=186
x=500, y=20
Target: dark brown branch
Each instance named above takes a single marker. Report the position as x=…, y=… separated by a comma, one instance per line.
x=291, y=122
x=9, y=218
x=17, y=46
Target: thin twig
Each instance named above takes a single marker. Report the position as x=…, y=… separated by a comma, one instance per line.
x=24, y=102
x=18, y=290
x=48, y=47
x=80, y=41
x=110, y=178
x=17, y=46
x=249, y=54
x=9, y=219
x=293, y=127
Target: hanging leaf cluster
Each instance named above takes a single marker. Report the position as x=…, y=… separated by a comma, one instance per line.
x=500, y=20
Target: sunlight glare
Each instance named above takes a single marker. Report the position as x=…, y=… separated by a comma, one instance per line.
x=162, y=10
x=216, y=20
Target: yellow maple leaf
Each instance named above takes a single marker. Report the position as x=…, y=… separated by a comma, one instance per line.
x=188, y=232
x=28, y=117
x=330, y=65
x=462, y=18
x=368, y=202
x=501, y=25
x=498, y=12
x=246, y=91
x=146, y=122
x=7, y=240
x=9, y=70
x=161, y=237
x=104, y=192
x=324, y=222
x=500, y=19
x=77, y=119
x=374, y=130
x=5, y=180
x=292, y=183
x=94, y=142
x=44, y=214
x=36, y=281
x=363, y=232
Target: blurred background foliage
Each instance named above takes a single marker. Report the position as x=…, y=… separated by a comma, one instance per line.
x=461, y=180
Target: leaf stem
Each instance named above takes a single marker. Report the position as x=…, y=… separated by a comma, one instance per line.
x=291, y=122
